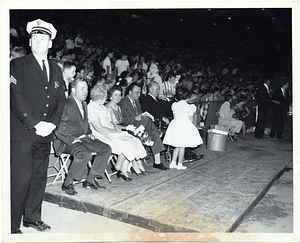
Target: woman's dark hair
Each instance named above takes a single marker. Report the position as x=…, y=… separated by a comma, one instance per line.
x=182, y=93
x=228, y=96
x=242, y=98
x=112, y=90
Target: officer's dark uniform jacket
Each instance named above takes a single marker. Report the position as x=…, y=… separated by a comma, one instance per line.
x=38, y=100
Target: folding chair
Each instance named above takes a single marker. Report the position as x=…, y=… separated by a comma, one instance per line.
x=61, y=166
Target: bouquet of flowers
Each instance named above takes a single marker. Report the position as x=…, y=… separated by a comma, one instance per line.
x=140, y=133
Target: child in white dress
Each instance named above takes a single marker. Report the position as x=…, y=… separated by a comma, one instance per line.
x=181, y=132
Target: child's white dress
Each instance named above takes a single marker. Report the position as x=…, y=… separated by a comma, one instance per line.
x=181, y=131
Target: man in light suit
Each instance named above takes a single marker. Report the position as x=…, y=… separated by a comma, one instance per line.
x=74, y=137
x=225, y=118
x=132, y=114
x=36, y=104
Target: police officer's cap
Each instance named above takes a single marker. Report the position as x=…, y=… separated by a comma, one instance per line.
x=41, y=27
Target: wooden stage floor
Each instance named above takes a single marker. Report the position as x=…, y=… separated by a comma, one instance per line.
x=211, y=196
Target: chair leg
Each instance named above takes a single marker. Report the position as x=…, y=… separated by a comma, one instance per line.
x=112, y=159
x=63, y=159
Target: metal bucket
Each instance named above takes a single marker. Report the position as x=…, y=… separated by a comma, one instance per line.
x=216, y=140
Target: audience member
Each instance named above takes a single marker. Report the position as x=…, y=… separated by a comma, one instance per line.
x=122, y=65
x=17, y=51
x=241, y=113
x=141, y=65
x=104, y=129
x=153, y=75
x=169, y=87
x=69, y=71
x=226, y=119
x=107, y=62
x=70, y=45
x=75, y=137
x=158, y=108
x=78, y=43
x=132, y=114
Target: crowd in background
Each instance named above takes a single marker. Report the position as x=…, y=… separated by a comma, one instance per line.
x=209, y=68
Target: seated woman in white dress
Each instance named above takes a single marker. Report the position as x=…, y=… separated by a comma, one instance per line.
x=114, y=97
x=103, y=129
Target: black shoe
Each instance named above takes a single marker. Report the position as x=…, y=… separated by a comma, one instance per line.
x=264, y=137
x=90, y=185
x=16, y=231
x=258, y=137
x=194, y=157
x=69, y=189
x=38, y=225
x=133, y=171
x=230, y=137
x=125, y=178
x=143, y=172
x=100, y=187
x=272, y=135
x=159, y=166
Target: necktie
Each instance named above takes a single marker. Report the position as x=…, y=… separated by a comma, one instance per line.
x=45, y=70
x=81, y=110
x=135, y=108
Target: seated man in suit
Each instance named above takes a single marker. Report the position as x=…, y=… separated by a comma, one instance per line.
x=75, y=137
x=158, y=108
x=225, y=118
x=132, y=114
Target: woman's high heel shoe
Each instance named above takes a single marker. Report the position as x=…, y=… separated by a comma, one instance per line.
x=133, y=171
x=125, y=178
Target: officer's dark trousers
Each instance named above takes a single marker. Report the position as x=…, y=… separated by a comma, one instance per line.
x=261, y=121
x=29, y=164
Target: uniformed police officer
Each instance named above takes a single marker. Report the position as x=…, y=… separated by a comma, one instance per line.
x=36, y=104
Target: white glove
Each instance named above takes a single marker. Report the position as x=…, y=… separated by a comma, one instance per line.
x=44, y=129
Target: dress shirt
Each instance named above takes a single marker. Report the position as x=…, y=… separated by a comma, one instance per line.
x=80, y=106
x=40, y=61
x=267, y=88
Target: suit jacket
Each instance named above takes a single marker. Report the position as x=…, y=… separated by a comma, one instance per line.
x=156, y=107
x=263, y=97
x=33, y=98
x=225, y=114
x=72, y=125
x=128, y=111
x=284, y=101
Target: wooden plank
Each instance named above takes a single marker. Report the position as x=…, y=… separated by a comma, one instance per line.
x=210, y=196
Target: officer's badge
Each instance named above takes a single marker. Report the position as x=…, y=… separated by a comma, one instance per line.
x=13, y=80
x=56, y=84
x=38, y=22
